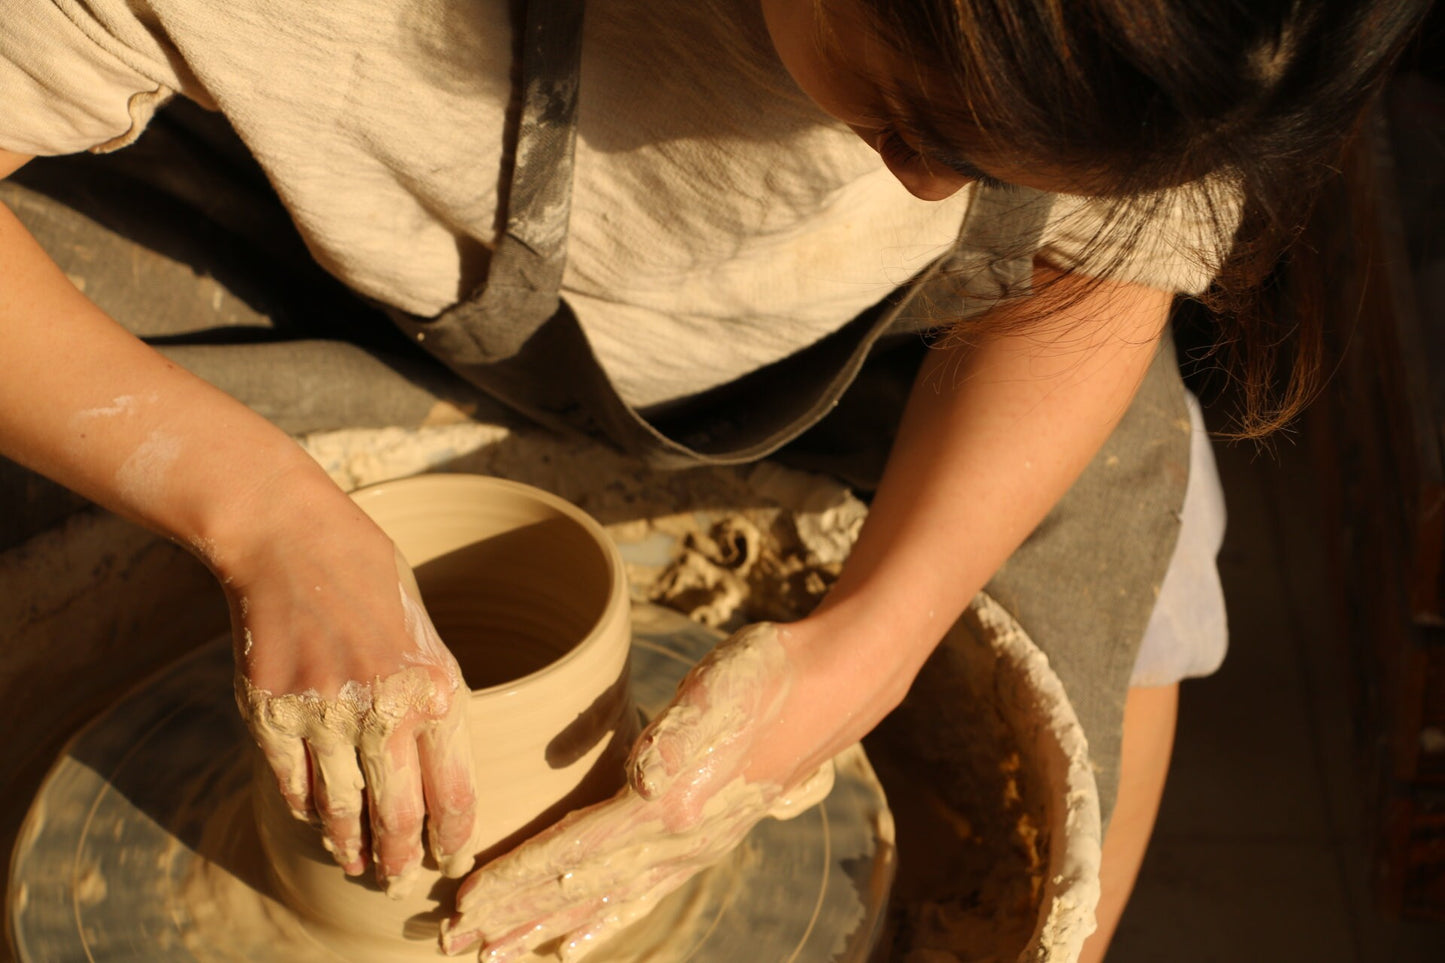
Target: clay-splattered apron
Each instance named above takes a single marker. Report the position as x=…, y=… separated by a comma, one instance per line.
x=1083, y=585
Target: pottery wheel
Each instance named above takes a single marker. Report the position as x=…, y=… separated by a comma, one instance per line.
x=140, y=844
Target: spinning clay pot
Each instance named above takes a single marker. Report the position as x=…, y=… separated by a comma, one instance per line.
x=530, y=595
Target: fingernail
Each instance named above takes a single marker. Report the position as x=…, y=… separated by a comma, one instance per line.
x=649, y=774
x=455, y=865
x=454, y=942
x=400, y=885
x=347, y=855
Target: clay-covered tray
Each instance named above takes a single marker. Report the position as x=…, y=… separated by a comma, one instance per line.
x=141, y=846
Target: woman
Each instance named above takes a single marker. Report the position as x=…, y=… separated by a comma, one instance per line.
x=724, y=220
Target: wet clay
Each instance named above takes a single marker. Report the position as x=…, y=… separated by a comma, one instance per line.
x=806, y=522
x=766, y=888
x=530, y=596
x=389, y=726
x=970, y=825
x=997, y=816
x=687, y=806
x=733, y=546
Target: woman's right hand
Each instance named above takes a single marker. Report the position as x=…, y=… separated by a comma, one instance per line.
x=357, y=705
x=340, y=673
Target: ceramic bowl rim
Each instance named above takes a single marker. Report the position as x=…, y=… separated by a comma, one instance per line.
x=614, y=609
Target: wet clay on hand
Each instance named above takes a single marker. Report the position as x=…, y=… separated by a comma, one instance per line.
x=686, y=806
x=401, y=740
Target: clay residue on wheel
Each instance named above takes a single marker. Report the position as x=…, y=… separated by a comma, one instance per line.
x=223, y=899
x=731, y=546
x=743, y=569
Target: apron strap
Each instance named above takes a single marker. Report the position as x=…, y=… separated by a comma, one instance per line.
x=520, y=292
x=515, y=338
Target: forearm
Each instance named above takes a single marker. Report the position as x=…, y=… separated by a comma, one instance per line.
x=317, y=590
x=994, y=434
x=89, y=405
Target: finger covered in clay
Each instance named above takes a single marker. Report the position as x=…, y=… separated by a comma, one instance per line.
x=689, y=801
x=721, y=706
x=364, y=744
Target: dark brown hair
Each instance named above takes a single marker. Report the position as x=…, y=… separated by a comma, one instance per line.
x=1138, y=96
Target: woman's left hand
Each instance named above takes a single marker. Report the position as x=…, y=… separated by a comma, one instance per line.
x=702, y=775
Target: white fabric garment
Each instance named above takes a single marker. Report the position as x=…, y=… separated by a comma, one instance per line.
x=720, y=220
x=1188, y=631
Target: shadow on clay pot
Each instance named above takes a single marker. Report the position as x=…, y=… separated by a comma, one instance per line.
x=515, y=602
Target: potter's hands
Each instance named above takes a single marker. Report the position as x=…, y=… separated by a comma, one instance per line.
x=703, y=774
x=357, y=705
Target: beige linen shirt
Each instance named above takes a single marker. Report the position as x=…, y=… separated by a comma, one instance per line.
x=720, y=220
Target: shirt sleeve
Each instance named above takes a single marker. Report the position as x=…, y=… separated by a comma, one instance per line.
x=1174, y=240
x=66, y=85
